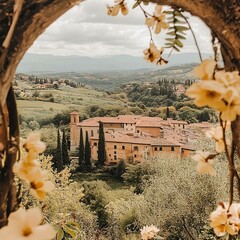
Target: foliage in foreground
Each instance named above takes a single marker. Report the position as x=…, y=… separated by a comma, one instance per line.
x=62, y=207
x=175, y=198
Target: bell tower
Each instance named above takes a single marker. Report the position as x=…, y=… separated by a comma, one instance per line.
x=74, y=118
x=74, y=130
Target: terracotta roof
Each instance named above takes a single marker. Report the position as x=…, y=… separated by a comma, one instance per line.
x=163, y=142
x=122, y=138
x=200, y=125
x=91, y=122
x=188, y=147
x=138, y=120
x=149, y=124
x=151, y=119
x=177, y=122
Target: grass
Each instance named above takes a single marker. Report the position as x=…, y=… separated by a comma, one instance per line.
x=111, y=181
x=65, y=99
x=40, y=110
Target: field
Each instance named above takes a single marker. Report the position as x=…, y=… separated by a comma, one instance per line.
x=65, y=99
x=114, y=183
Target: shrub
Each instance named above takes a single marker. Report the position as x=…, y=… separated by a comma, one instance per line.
x=62, y=207
x=178, y=200
x=33, y=125
x=121, y=168
x=97, y=194
x=36, y=94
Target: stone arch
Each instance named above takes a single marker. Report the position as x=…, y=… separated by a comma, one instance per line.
x=35, y=16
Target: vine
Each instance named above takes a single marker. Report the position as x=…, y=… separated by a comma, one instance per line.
x=176, y=31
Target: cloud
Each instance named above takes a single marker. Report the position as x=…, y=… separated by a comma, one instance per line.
x=87, y=30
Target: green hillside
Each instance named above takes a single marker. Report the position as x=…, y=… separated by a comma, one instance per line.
x=65, y=99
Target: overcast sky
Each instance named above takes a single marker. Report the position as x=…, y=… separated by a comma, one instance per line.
x=87, y=30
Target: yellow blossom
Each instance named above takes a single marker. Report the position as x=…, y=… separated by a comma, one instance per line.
x=149, y=232
x=232, y=107
x=157, y=20
x=33, y=175
x=158, y=10
x=228, y=78
x=224, y=220
x=39, y=185
x=34, y=144
x=207, y=93
x=25, y=170
x=121, y=5
x=217, y=135
x=204, y=163
x=152, y=54
x=109, y=10
x=26, y=225
x=205, y=70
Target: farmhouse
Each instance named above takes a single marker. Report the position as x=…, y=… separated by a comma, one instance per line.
x=133, y=137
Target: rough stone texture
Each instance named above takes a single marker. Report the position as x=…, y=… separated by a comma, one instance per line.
x=34, y=18
x=222, y=16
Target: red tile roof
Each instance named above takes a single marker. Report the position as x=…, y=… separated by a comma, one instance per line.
x=74, y=112
x=123, y=138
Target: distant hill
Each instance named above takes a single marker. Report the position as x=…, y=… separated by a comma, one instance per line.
x=112, y=80
x=39, y=63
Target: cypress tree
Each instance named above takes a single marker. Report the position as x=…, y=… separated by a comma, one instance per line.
x=87, y=152
x=81, y=153
x=57, y=157
x=65, y=156
x=167, y=113
x=101, y=146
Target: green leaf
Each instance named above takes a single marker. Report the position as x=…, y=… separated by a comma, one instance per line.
x=168, y=45
x=175, y=48
x=180, y=36
x=178, y=43
x=177, y=13
x=168, y=12
x=75, y=228
x=170, y=18
x=136, y=4
x=181, y=28
x=68, y=230
x=173, y=33
x=74, y=224
x=171, y=39
x=60, y=234
x=179, y=21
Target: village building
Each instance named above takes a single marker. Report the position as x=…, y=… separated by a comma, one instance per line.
x=134, y=148
x=133, y=138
